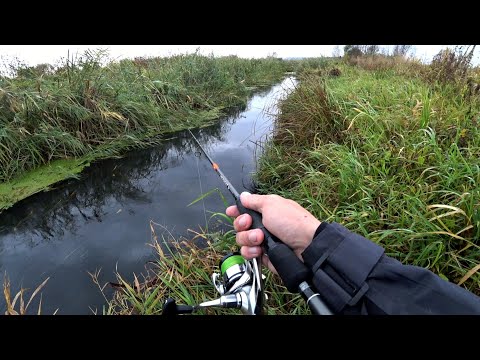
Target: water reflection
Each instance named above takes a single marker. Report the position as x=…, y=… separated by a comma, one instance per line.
x=124, y=180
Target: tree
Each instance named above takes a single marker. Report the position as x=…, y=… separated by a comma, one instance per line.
x=401, y=50
x=385, y=51
x=413, y=51
x=352, y=50
x=371, y=49
x=358, y=50
x=336, y=51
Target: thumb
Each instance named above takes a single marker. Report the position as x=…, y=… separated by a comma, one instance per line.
x=252, y=201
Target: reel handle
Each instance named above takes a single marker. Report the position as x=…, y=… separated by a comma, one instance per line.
x=170, y=308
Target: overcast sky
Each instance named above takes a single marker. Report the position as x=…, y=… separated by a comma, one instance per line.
x=37, y=54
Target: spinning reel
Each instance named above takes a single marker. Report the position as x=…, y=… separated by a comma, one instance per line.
x=238, y=283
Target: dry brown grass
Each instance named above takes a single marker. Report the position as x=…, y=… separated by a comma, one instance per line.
x=398, y=64
x=22, y=308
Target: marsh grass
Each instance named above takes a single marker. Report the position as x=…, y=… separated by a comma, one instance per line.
x=90, y=107
x=390, y=156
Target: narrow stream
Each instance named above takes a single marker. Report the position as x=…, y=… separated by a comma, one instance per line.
x=102, y=221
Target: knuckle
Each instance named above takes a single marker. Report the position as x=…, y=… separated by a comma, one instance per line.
x=273, y=196
x=235, y=224
x=240, y=222
x=241, y=238
x=256, y=237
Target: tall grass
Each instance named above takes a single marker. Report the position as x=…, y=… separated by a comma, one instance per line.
x=68, y=111
x=390, y=156
x=183, y=272
x=22, y=308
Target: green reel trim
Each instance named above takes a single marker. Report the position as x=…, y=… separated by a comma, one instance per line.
x=230, y=261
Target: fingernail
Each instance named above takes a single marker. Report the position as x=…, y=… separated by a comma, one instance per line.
x=245, y=193
x=252, y=237
x=253, y=251
x=242, y=222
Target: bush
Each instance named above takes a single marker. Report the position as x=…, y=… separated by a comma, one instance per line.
x=451, y=66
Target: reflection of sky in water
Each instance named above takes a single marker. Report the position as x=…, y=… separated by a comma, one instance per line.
x=103, y=219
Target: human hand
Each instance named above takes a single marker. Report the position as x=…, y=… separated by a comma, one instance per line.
x=284, y=218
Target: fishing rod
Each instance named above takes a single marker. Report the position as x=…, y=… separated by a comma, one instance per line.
x=242, y=285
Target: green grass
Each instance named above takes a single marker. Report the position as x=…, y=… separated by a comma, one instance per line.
x=388, y=156
x=90, y=103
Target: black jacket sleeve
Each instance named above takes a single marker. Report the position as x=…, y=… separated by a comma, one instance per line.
x=354, y=276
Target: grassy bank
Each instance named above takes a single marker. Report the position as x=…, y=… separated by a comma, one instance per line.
x=390, y=151
x=90, y=108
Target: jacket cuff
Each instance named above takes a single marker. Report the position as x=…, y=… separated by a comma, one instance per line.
x=322, y=226
x=341, y=262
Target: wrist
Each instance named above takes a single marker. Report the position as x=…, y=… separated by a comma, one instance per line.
x=309, y=234
x=321, y=226
x=316, y=243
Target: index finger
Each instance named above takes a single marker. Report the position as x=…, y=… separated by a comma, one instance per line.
x=232, y=211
